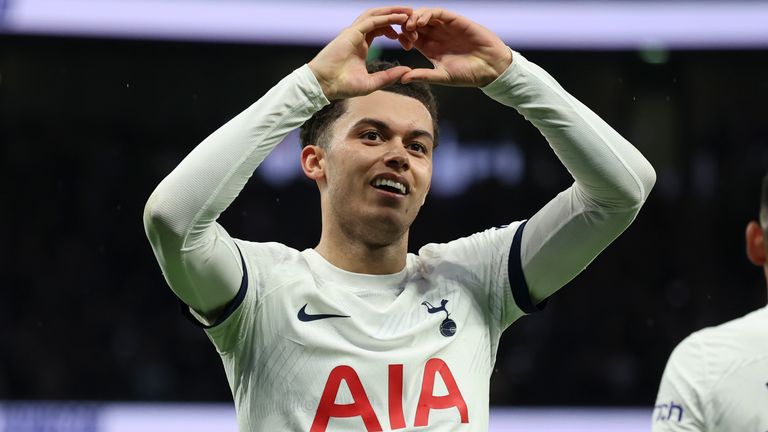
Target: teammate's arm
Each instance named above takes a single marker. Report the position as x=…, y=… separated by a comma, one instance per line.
x=200, y=261
x=612, y=179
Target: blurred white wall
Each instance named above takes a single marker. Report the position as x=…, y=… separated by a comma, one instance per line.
x=145, y=417
x=558, y=24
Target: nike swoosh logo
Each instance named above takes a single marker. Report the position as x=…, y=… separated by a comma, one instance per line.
x=305, y=317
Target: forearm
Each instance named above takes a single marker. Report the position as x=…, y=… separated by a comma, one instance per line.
x=612, y=179
x=606, y=167
x=198, y=259
x=205, y=183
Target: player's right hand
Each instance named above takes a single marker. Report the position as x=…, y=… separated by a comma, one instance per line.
x=340, y=66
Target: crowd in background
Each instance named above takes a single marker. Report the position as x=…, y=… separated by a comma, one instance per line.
x=89, y=127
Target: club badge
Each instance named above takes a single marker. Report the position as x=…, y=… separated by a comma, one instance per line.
x=448, y=326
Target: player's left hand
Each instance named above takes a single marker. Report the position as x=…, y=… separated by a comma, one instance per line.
x=463, y=52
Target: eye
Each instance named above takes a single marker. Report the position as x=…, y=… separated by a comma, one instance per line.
x=417, y=146
x=371, y=135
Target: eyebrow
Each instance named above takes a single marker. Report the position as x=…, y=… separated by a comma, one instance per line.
x=378, y=124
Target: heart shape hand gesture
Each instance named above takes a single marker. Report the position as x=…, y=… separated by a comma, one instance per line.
x=462, y=52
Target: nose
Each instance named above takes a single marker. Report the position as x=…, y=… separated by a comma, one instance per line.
x=397, y=157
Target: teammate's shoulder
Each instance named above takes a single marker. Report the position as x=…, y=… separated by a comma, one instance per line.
x=691, y=345
x=743, y=334
x=757, y=318
x=722, y=344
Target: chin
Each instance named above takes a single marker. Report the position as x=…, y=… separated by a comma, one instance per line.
x=379, y=230
x=385, y=233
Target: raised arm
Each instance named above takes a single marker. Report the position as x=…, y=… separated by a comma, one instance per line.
x=199, y=259
x=611, y=178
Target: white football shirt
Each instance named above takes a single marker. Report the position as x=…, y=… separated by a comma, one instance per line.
x=313, y=347
x=717, y=379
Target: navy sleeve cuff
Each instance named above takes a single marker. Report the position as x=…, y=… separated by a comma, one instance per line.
x=520, y=292
x=231, y=306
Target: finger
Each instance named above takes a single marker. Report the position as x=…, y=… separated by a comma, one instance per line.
x=424, y=19
x=405, y=41
x=430, y=20
x=388, y=10
x=428, y=29
x=390, y=33
x=444, y=15
x=386, y=77
x=387, y=31
x=409, y=35
x=414, y=16
x=419, y=18
x=371, y=23
x=431, y=76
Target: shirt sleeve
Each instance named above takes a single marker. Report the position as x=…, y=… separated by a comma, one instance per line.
x=611, y=178
x=198, y=258
x=236, y=329
x=680, y=401
x=484, y=263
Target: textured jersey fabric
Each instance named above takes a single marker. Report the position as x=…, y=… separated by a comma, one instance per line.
x=302, y=319
x=309, y=346
x=717, y=379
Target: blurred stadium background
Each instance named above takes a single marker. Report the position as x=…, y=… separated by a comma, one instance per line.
x=99, y=100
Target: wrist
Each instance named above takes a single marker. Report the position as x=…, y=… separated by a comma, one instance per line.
x=495, y=66
x=325, y=84
x=505, y=60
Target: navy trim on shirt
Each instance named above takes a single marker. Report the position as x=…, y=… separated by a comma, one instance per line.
x=520, y=292
x=231, y=306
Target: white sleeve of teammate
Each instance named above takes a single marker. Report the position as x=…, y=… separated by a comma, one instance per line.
x=612, y=179
x=198, y=258
x=680, y=401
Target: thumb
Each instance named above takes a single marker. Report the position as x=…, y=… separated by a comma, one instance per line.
x=386, y=77
x=431, y=76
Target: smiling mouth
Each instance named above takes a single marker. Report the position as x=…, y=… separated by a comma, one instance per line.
x=390, y=186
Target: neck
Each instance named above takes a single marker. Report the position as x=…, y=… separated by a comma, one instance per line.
x=357, y=256
x=765, y=272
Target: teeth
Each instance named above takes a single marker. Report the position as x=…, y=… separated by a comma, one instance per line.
x=391, y=183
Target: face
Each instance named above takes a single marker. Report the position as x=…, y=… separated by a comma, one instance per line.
x=376, y=170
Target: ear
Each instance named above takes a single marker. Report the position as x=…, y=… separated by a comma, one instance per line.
x=313, y=162
x=756, y=244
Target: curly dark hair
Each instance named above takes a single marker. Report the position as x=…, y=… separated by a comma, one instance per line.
x=316, y=129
